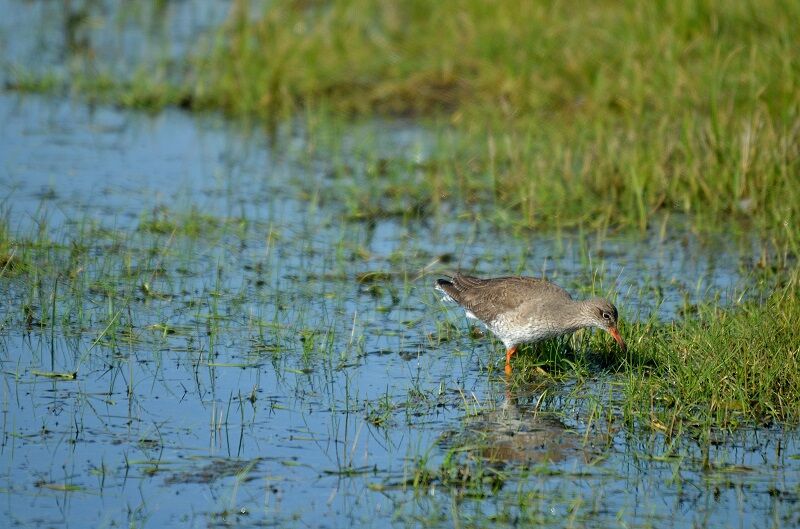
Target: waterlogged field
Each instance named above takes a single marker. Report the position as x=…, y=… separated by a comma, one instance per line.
x=192, y=334
x=206, y=323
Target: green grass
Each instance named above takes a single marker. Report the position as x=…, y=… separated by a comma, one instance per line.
x=609, y=113
x=621, y=58
x=544, y=115
x=725, y=368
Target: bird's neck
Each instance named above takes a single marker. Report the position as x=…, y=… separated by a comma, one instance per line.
x=578, y=314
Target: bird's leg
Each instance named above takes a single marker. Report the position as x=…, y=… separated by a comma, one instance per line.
x=509, y=353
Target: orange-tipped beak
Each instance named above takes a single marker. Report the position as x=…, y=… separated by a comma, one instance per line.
x=618, y=337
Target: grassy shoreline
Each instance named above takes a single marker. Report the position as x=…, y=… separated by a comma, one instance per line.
x=609, y=114
x=612, y=113
x=723, y=369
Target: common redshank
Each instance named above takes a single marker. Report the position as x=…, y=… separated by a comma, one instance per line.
x=526, y=309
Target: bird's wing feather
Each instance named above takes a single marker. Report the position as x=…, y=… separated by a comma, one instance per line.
x=487, y=298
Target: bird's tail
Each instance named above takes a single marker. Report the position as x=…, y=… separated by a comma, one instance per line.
x=447, y=288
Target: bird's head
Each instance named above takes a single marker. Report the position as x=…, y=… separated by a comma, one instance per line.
x=603, y=314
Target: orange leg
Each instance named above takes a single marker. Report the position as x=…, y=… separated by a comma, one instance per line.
x=509, y=353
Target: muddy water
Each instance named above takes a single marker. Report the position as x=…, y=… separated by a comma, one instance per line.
x=283, y=365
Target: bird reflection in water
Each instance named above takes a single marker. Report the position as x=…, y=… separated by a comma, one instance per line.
x=518, y=431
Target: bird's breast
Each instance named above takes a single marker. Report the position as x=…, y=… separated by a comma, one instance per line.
x=517, y=330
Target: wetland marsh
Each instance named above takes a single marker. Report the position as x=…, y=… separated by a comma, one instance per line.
x=207, y=322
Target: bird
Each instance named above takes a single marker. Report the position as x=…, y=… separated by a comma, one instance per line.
x=521, y=309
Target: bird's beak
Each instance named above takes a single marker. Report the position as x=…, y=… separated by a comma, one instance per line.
x=618, y=337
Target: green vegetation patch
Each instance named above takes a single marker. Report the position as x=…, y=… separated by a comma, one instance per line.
x=191, y=223
x=726, y=368
x=611, y=113
x=545, y=114
x=509, y=59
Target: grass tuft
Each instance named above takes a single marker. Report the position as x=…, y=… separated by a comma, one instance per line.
x=724, y=368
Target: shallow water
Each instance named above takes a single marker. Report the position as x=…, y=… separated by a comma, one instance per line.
x=266, y=373
x=282, y=364
x=53, y=37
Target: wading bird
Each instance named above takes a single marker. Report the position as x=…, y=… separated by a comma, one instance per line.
x=526, y=309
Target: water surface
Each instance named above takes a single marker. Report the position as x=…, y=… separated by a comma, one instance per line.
x=248, y=351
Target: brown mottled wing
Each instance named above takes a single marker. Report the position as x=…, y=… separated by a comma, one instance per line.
x=486, y=298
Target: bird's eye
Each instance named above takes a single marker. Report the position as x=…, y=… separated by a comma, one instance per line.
x=606, y=316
